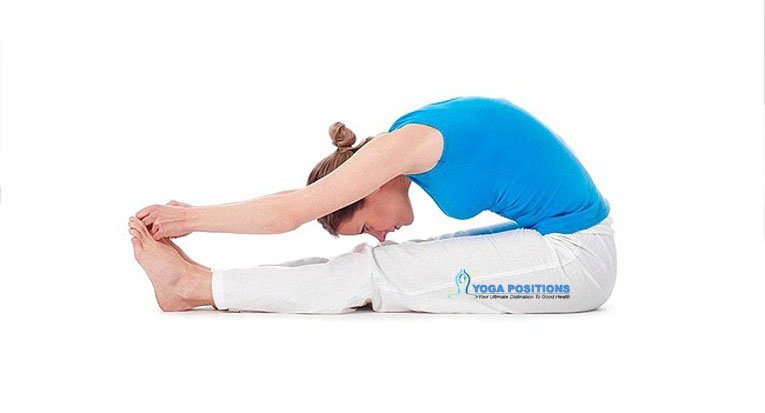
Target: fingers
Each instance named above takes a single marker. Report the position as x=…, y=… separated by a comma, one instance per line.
x=153, y=214
x=149, y=219
x=164, y=221
x=158, y=234
x=139, y=230
x=146, y=211
x=156, y=231
x=148, y=215
x=166, y=229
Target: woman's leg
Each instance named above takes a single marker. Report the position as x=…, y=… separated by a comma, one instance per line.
x=309, y=285
x=478, y=271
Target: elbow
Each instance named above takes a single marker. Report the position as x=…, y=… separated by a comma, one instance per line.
x=275, y=215
x=289, y=224
x=275, y=225
x=285, y=222
x=290, y=216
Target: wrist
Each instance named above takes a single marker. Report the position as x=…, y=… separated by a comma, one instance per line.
x=194, y=219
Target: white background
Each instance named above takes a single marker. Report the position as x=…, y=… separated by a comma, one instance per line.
x=108, y=107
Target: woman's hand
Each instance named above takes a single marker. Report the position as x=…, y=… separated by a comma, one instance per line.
x=166, y=221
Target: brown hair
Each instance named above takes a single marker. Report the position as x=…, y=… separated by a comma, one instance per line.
x=343, y=138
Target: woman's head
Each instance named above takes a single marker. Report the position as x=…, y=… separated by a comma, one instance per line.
x=384, y=210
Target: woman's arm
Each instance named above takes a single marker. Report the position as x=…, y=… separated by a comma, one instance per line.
x=266, y=214
x=178, y=219
x=377, y=162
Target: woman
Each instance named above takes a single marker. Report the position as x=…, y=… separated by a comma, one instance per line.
x=470, y=154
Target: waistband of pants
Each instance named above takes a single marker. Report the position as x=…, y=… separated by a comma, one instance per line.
x=602, y=227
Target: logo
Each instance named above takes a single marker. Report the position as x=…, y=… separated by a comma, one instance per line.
x=509, y=291
x=463, y=284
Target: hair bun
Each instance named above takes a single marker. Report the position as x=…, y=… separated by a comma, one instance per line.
x=342, y=137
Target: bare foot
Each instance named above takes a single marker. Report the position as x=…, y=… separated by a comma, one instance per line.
x=183, y=255
x=178, y=284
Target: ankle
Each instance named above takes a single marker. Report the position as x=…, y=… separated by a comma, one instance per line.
x=195, y=286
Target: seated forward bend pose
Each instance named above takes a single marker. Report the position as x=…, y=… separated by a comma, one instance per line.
x=556, y=252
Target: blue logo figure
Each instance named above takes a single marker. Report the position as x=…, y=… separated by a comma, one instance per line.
x=463, y=282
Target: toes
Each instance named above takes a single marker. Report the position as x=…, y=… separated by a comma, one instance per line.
x=138, y=225
x=137, y=244
x=133, y=224
x=133, y=228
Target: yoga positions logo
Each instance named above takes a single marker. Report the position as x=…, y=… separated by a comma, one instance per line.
x=508, y=291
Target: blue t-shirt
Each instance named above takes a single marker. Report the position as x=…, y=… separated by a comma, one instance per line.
x=498, y=157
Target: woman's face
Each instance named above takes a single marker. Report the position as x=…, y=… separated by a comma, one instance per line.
x=384, y=211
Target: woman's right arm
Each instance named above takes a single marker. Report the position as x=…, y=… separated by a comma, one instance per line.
x=268, y=214
x=177, y=219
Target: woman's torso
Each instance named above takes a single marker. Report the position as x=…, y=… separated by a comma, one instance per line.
x=498, y=157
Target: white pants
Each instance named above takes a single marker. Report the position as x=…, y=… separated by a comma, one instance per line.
x=485, y=270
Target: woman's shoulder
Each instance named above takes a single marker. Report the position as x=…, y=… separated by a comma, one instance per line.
x=425, y=142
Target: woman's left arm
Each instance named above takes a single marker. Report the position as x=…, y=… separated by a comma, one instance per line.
x=374, y=164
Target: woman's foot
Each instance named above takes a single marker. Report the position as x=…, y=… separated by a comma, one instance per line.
x=178, y=284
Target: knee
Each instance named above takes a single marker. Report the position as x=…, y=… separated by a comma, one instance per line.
x=603, y=293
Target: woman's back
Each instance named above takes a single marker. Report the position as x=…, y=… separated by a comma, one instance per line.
x=498, y=157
